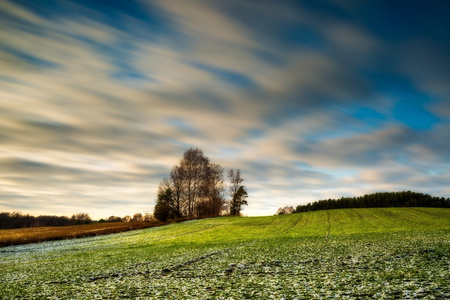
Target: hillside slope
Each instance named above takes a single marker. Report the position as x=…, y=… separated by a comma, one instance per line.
x=382, y=252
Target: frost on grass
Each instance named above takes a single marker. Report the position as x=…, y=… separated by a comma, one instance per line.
x=286, y=269
x=150, y=265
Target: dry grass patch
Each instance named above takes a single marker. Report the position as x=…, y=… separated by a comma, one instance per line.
x=20, y=236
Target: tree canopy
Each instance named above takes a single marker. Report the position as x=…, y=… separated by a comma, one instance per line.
x=392, y=199
x=195, y=188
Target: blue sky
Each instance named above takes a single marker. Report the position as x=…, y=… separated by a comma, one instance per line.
x=310, y=99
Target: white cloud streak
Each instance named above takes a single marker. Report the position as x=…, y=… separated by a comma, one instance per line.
x=93, y=116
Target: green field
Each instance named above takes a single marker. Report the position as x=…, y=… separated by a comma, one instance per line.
x=351, y=253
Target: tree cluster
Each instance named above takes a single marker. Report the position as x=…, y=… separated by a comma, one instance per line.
x=19, y=220
x=137, y=217
x=195, y=188
x=387, y=199
x=285, y=210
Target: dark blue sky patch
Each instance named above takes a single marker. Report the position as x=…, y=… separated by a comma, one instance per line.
x=121, y=56
x=113, y=9
x=273, y=32
x=300, y=35
x=414, y=115
x=124, y=69
x=327, y=10
x=369, y=116
x=31, y=59
x=340, y=131
x=399, y=20
x=387, y=81
x=268, y=57
x=115, y=13
x=409, y=102
x=231, y=77
x=129, y=75
x=43, y=8
x=116, y=8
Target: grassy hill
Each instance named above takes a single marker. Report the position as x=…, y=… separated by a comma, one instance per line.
x=355, y=253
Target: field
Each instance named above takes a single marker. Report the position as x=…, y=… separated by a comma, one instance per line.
x=352, y=253
x=39, y=234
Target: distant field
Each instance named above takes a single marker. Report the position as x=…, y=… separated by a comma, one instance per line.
x=349, y=253
x=39, y=234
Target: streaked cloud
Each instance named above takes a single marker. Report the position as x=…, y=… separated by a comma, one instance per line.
x=98, y=102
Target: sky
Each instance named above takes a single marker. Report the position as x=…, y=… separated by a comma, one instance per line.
x=309, y=99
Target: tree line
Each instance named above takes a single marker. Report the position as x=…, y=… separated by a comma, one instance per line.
x=19, y=220
x=386, y=199
x=195, y=188
x=137, y=217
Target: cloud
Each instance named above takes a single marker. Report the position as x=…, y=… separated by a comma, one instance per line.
x=428, y=66
x=97, y=105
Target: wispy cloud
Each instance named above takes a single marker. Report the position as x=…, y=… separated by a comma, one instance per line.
x=98, y=102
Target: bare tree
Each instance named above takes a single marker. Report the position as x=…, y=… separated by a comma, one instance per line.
x=194, y=165
x=148, y=217
x=214, y=190
x=177, y=184
x=235, y=181
x=285, y=210
x=81, y=218
x=137, y=217
x=197, y=186
x=114, y=219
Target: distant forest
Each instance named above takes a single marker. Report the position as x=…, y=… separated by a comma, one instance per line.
x=19, y=220
x=392, y=199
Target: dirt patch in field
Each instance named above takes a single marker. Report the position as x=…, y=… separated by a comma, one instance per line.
x=21, y=236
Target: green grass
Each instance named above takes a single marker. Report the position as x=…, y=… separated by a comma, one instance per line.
x=352, y=253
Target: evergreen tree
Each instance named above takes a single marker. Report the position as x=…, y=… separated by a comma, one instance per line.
x=164, y=209
x=237, y=192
